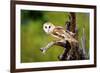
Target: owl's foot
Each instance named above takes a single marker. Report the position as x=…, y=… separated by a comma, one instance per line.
x=43, y=50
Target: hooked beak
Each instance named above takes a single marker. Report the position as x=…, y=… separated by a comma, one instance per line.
x=48, y=31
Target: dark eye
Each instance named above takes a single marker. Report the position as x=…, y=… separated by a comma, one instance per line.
x=49, y=26
x=45, y=26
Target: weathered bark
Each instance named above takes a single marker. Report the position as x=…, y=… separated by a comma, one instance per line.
x=73, y=22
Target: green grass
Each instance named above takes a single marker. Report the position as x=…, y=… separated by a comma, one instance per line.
x=33, y=37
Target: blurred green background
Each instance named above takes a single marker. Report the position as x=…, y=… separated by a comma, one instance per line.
x=33, y=37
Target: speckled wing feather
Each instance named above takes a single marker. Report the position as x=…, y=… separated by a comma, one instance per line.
x=60, y=33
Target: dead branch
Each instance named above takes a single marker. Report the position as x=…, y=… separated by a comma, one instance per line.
x=73, y=51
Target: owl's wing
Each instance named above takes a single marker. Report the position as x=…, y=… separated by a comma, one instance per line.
x=59, y=32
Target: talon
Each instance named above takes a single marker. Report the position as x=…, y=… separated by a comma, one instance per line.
x=43, y=50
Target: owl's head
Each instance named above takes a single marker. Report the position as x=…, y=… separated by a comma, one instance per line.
x=48, y=27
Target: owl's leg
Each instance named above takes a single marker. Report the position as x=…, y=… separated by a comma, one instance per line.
x=44, y=49
x=56, y=42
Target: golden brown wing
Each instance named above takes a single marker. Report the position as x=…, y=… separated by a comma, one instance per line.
x=59, y=32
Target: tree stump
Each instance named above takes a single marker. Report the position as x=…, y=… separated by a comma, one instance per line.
x=74, y=52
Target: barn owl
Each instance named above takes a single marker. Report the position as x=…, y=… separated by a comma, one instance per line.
x=58, y=32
